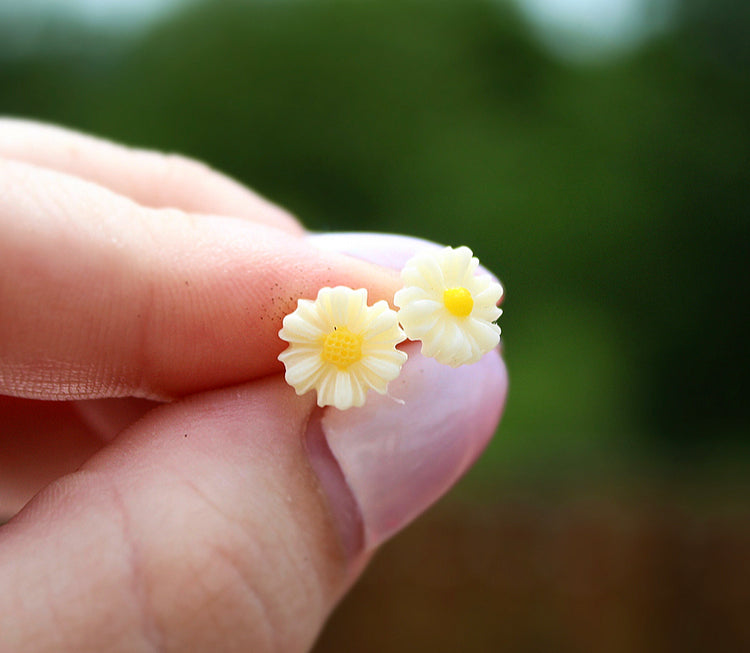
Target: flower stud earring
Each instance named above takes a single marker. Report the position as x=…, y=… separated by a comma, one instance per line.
x=449, y=307
x=341, y=347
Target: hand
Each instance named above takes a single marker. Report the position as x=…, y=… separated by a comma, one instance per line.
x=212, y=509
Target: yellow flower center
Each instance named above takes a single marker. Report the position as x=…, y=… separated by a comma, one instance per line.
x=341, y=348
x=458, y=301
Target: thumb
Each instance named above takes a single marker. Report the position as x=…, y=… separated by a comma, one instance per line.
x=236, y=519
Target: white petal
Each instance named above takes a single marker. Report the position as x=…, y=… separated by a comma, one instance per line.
x=325, y=389
x=357, y=312
x=488, y=313
x=373, y=379
x=455, y=264
x=299, y=370
x=486, y=335
x=460, y=353
x=343, y=395
x=434, y=339
x=333, y=305
x=454, y=348
x=385, y=341
x=490, y=292
x=310, y=311
x=298, y=329
x=384, y=368
x=384, y=324
x=359, y=389
x=470, y=272
x=419, y=317
x=424, y=272
x=412, y=294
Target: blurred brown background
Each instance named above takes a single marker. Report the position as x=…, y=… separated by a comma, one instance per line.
x=596, y=155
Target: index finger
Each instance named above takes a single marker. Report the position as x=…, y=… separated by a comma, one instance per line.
x=101, y=297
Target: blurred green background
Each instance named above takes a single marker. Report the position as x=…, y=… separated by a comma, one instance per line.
x=599, y=163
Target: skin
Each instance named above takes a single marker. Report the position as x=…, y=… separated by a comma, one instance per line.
x=176, y=503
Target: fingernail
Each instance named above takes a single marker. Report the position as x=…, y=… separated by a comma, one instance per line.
x=383, y=464
x=388, y=250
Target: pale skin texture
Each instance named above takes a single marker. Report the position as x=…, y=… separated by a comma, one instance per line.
x=130, y=278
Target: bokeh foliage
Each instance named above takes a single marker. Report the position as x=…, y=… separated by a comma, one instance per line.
x=611, y=199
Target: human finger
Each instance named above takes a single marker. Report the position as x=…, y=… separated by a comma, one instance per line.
x=41, y=441
x=236, y=519
x=102, y=297
x=147, y=177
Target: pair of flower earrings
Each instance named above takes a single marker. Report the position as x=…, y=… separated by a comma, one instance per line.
x=341, y=347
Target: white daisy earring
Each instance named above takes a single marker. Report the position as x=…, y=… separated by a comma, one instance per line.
x=341, y=347
x=448, y=307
